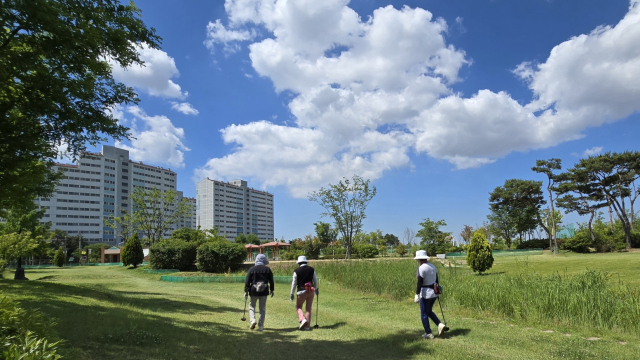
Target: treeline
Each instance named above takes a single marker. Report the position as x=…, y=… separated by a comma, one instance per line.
x=607, y=181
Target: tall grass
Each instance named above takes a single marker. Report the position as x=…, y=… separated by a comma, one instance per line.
x=588, y=299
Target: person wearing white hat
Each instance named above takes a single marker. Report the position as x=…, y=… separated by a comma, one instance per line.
x=426, y=295
x=305, y=284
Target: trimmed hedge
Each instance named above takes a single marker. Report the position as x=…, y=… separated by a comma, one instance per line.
x=173, y=254
x=220, y=256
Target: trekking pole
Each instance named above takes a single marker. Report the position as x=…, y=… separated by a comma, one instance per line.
x=317, y=307
x=244, y=311
x=446, y=328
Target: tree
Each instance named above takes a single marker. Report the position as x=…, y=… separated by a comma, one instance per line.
x=479, y=253
x=409, y=236
x=24, y=219
x=56, y=83
x=434, y=239
x=14, y=246
x=240, y=239
x=325, y=233
x=123, y=226
x=466, y=233
x=132, y=253
x=189, y=235
x=547, y=167
x=253, y=239
x=401, y=250
x=501, y=224
x=521, y=201
x=59, y=258
x=613, y=175
x=156, y=211
x=391, y=240
x=346, y=203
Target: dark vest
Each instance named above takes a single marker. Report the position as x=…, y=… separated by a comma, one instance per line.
x=304, y=275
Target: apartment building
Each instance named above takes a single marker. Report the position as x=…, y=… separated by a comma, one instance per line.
x=189, y=220
x=98, y=187
x=234, y=208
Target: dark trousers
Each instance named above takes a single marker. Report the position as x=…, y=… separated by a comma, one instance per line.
x=426, y=312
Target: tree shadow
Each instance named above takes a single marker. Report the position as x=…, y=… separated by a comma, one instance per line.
x=103, y=326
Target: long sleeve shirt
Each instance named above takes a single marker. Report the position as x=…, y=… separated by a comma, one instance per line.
x=302, y=275
x=427, y=276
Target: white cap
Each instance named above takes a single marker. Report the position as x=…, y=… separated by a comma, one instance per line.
x=421, y=255
x=301, y=259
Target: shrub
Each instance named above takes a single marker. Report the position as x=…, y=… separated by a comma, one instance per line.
x=219, y=256
x=3, y=266
x=580, y=243
x=365, y=251
x=401, y=250
x=59, y=258
x=534, y=244
x=292, y=255
x=132, y=252
x=173, y=254
x=479, y=253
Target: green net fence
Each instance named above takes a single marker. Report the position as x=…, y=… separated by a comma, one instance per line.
x=221, y=279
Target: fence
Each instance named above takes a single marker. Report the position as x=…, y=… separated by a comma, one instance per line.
x=514, y=252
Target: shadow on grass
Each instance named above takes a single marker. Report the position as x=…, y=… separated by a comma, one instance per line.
x=456, y=332
x=96, y=326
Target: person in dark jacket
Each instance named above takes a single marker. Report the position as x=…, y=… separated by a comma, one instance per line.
x=305, y=284
x=258, y=284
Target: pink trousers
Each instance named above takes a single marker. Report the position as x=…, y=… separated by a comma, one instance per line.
x=308, y=297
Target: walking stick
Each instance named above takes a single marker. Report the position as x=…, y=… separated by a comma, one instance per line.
x=244, y=311
x=446, y=328
x=317, y=307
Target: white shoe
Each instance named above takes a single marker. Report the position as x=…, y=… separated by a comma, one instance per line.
x=253, y=325
x=307, y=329
x=427, y=336
x=302, y=324
x=442, y=328
x=260, y=328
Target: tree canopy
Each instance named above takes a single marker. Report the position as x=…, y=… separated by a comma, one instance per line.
x=56, y=83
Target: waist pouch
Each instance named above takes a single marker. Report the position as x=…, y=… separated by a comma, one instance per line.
x=308, y=287
x=260, y=286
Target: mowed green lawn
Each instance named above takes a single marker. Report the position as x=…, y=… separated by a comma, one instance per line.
x=116, y=313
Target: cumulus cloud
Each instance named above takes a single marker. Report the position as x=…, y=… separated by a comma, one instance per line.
x=154, y=77
x=366, y=93
x=218, y=34
x=156, y=139
x=593, y=151
x=184, y=108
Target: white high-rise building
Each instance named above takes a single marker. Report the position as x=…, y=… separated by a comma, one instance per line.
x=234, y=208
x=98, y=187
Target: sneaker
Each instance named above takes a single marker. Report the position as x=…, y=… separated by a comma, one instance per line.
x=427, y=336
x=260, y=328
x=307, y=329
x=253, y=325
x=302, y=324
x=442, y=328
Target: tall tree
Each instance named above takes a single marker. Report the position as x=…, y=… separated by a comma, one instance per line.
x=432, y=237
x=547, y=167
x=346, y=203
x=391, y=240
x=520, y=199
x=409, y=236
x=156, y=212
x=325, y=233
x=466, y=233
x=56, y=83
x=501, y=224
x=613, y=174
x=123, y=226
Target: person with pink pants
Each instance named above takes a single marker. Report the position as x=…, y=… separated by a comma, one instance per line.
x=305, y=285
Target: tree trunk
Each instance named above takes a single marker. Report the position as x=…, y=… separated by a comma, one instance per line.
x=610, y=218
x=348, y=254
x=593, y=237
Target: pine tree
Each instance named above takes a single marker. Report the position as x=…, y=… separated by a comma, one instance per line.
x=132, y=252
x=479, y=253
x=58, y=257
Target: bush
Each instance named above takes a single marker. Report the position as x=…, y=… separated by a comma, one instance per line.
x=479, y=253
x=59, y=258
x=220, y=256
x=173, y=254
x=534, y=244
x=365, y=251
x=3, y=266
x=580, y=243
x=132, y=252
x=401, y=250
x=292, y=255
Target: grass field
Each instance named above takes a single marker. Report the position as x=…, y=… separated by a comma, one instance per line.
x=116, y=313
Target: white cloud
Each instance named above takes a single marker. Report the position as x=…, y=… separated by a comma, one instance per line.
x=365, y=93
x=184, y=108
x=154, y=77
x=156, y=139
x=218, y=34
x=593, y=151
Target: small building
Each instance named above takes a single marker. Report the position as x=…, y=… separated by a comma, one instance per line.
x=271, y=250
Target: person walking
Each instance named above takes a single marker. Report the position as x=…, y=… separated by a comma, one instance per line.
x=305, y=284
x=258, y=284
x=426, y=293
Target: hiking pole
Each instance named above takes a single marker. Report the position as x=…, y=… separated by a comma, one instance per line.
x=244, y=311
x=446, y=328
x=317, y=306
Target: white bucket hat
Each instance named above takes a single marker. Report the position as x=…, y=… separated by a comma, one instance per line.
x=421, y=255
x=301, y=259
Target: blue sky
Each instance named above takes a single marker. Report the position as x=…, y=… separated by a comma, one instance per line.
x=438, y=102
